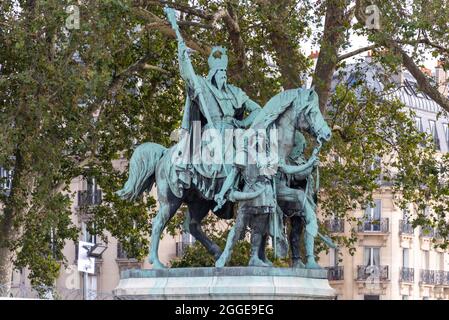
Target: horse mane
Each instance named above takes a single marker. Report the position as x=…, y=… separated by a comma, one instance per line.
x=278, y=104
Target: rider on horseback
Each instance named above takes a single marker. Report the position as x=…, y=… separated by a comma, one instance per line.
x=213, y=102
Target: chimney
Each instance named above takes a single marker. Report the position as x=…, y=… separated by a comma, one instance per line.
x=398, y=77
x=314, y=55
x=441, y=78
x=426, y=71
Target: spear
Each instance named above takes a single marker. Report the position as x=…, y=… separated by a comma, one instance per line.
x=171, y=16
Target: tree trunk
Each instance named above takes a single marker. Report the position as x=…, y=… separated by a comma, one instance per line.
x=333, y=37
x=6, y=255
x=17, y=205
x=289, y=59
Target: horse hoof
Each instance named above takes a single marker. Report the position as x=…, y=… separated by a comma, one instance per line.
x=158, y=265
x=220, y=263
x=268, y=262
x=312, y=265
x=256, y=262
x=298, y=264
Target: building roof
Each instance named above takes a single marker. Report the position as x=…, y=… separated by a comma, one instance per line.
x=425, y=108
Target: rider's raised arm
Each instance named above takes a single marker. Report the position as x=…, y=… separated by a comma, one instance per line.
x=253, y=108
x=185, y=65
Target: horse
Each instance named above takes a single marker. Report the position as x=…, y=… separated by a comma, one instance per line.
x=151, y=163
x=288, y=112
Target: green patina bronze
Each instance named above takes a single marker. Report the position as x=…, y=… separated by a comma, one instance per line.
x=264, y=193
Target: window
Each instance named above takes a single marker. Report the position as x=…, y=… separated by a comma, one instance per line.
x=405, y=215
x=434, y=132
x=53, y=243
x=446, y=134
x=5, y=179
x=372, y=216
x=425, y=260
x=372, y=256
x=441, y=260
x=187, y=238
x=418, y=124
x=371, y=297
x=86, y=234
x=333, y=257
x=376, y=165
x=405, y=257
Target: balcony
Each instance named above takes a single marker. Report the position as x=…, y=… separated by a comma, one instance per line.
x=335, y=273
x=405, y=228
x=427, y=277
x=426, y=232
x=407, y=275
x=442, y=278
x=374, y=225
x=335, y=225
x=374, y=273
x=373, y=229
x=88, y=199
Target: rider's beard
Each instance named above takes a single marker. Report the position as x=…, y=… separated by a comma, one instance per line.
x=220, y=82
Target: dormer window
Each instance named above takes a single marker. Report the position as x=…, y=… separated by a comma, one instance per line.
x=434, y=132
x=418, y=124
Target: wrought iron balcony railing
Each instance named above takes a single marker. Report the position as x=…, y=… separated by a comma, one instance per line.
x=427, y=232
x=374, y=273
x=442, y=278
x=407, y=274
x=427, y=276
x=88, y=198
x=335, y=225
x=335, y=273
x=374, y=225
x=405, y=227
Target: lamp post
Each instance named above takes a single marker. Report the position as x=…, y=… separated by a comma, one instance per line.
x=92, y=251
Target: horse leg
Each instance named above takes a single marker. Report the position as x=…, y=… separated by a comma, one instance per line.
x=169, y=204
x=197, y=212
x=164, y=214
x=233, y=236
x=294, y=237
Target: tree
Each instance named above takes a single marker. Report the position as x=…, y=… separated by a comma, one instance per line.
x=69, y=99
x=74, y=100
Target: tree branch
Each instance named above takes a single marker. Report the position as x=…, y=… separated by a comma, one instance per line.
x=356, y=52
x=425, y=41
x=332, y=40
x=157, y=23
x=238, y=46
x=181, y=7
x=288, y=58
x=423, y=82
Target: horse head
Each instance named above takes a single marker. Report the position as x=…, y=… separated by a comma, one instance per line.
x=310, y=118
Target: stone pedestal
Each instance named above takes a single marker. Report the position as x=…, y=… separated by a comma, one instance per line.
x=236, y=283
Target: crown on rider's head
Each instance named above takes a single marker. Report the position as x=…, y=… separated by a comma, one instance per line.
x=218, y=59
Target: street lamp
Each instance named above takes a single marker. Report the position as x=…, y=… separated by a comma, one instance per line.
x=92, y=251
x=96, y=250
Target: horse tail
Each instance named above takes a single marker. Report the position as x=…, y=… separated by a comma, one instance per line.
x=142, y=169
